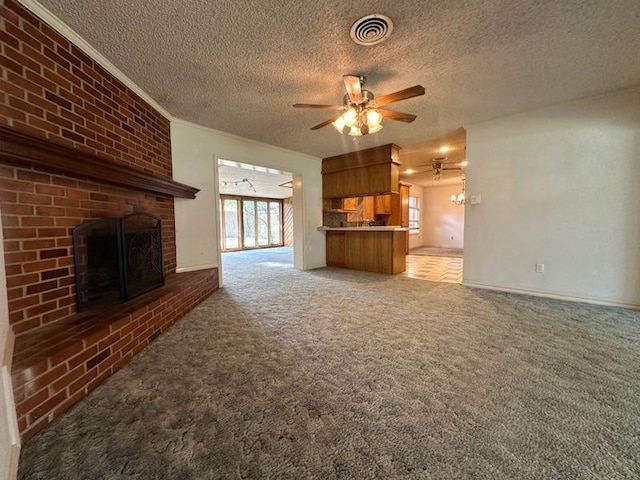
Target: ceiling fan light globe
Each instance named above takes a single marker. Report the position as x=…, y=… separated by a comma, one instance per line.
x=355, y=132
x=374, y=118
x=375, y=128
x=350, y=117
x=339, y=124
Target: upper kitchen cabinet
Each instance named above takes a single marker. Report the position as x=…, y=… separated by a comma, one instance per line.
x=399, y=214
x=383, y=204
x=373, y=171
x=340, y=204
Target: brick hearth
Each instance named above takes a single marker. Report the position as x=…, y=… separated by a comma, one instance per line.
x=57, y=365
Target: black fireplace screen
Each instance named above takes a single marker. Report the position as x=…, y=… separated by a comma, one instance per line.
x=117, y=259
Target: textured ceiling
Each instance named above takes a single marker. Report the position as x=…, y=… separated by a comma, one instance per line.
x=239, y=65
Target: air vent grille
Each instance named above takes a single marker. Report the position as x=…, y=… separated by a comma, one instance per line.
x=371, y=30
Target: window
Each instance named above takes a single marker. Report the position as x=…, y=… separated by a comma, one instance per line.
x=414, y=216
x=250, y=222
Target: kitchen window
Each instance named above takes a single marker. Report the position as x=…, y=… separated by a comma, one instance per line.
x=414, y=216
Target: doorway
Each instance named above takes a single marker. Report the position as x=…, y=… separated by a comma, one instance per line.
x=436, y=171
x=256, y=215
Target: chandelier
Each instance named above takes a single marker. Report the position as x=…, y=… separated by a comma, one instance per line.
x=460, y=198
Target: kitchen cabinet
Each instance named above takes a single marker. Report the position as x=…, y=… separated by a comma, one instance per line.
x=350, y=204
x=383, y=204
x=340, y=204
x=381, y=251
x=366, y=172
x=364, y=210
x=336, y=249
x=399, y=214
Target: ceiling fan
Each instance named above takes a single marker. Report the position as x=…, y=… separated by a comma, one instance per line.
x=439, y=165
x=360, y=110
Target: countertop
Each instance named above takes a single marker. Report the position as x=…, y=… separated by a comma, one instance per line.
x=364, y=229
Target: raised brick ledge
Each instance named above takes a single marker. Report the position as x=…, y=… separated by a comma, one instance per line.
x=57, y=365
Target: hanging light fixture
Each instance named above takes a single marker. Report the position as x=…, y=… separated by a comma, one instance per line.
x=359, y=120
x=460, y=198
x=236, y=183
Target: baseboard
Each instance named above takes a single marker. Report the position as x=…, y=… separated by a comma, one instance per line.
x=557, y=296
x=313, y=267
x=195, y=268
x=10, y=437
x=10, y=340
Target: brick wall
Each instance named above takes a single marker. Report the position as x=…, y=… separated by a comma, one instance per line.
x=50, y=89
x=39, y=211
x=53, y=90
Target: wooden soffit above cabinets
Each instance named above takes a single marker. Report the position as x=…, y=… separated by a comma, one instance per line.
x=25, y=150
x=384, y=154
x=374, y=171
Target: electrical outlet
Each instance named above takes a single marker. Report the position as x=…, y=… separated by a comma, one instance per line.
x=539, y=267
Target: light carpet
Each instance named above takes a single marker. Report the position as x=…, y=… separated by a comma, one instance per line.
x=334, y=373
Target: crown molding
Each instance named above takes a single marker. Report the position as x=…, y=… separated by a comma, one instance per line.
x=187, y=123
x=45, y=15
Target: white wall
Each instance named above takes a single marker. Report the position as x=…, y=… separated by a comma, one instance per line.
x=195, y=150
x=559, y=186
x=9, y=437
x=443, y=221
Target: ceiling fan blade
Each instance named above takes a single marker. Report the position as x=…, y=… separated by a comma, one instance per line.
x=326, y=122
x=352, y=84
x=403, y=117
x=410, y=92
x=314, y=105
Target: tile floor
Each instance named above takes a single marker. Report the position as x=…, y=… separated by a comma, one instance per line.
x=434, y=269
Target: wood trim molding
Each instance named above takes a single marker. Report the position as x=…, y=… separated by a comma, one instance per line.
x=26, y=150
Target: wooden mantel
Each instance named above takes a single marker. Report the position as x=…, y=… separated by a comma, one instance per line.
x=26, y=150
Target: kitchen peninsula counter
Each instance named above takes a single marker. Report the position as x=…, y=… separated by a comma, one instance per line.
x=372, y=228
x=373, y=248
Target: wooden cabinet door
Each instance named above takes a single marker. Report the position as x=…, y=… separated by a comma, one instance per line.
x=367, y=208
x=400, y=208
x=404, y=205
x=336, y=249
x=382, y=204
x=350, y=204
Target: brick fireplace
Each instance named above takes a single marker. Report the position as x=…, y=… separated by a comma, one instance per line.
x=76, y=144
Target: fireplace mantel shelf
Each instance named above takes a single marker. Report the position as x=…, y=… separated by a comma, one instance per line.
x=26, y=150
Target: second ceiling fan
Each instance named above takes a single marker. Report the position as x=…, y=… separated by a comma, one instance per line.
x=361, y=112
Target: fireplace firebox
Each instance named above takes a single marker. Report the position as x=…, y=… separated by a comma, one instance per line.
x=117, y=259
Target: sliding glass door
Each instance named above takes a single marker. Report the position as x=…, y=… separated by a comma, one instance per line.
x=230, y=223
x=250, y=222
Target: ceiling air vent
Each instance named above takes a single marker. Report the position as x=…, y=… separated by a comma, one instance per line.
x=371, y=29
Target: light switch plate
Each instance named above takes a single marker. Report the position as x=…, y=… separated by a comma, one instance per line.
x=475, y=199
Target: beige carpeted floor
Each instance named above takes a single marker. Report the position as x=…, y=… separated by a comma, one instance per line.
x=334, y=374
